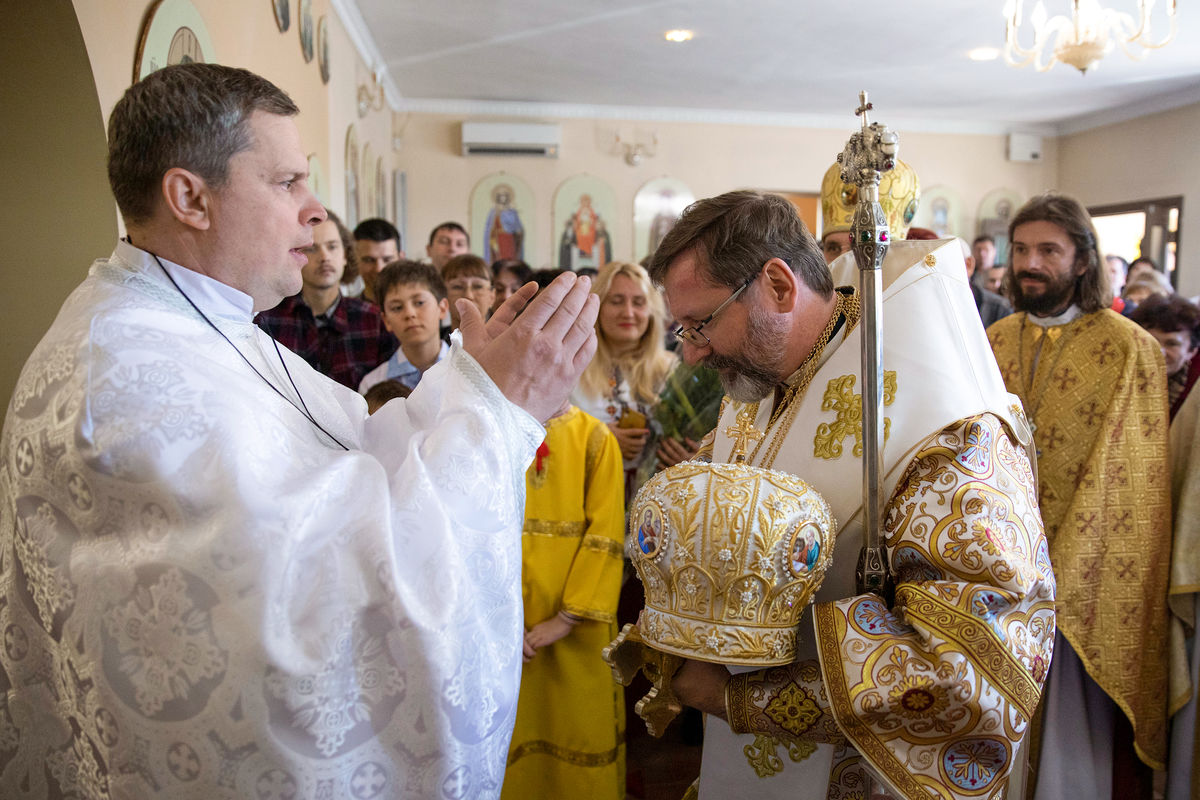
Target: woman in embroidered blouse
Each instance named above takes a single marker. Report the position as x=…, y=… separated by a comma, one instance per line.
x=621, y=385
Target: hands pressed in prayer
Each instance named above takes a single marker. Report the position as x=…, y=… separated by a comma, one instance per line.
x=630, y=440
x=535, y=358
x=672, y=451
x=546, y=632
x=701, y=685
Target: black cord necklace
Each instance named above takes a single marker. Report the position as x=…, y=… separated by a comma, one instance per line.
x=303, y=410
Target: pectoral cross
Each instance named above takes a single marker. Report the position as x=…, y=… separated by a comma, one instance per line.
x=742, y=432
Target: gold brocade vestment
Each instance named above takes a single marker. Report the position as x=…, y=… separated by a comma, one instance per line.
x=931, y=694
x=1183, y=779
x=1095, y=390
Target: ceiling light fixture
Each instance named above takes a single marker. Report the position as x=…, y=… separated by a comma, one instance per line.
x=678, y=35
x=1085, y=37
x=984, y=54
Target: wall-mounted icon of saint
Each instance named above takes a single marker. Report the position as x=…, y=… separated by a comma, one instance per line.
x=995, y=211
x=503, y=219
x=584, y=213
x=585, y=241
x=656, y=207
x=505, y=233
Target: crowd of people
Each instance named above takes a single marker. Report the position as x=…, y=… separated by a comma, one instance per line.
x=620, y=389
x=285, y=506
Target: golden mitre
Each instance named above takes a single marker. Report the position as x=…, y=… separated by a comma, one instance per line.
x=899, y=194
x=729, y=556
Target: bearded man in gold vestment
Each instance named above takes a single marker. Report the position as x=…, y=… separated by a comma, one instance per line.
x=1094, y=386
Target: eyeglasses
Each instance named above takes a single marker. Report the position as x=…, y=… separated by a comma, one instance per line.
x=834, y=248
x=692, y=335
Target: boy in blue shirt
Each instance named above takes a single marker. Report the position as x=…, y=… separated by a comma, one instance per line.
x=413, y=301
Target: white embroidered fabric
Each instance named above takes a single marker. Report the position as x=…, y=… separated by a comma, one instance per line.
x=203, y=596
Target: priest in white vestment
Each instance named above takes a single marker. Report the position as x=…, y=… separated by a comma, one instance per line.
x=219, y=578
x=928, y=695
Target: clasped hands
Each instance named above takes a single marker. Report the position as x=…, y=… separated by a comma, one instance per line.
x=632, y=442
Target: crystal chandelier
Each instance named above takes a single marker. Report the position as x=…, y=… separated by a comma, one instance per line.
x=1083, y=38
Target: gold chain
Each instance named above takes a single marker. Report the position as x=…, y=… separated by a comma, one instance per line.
x=848, y=306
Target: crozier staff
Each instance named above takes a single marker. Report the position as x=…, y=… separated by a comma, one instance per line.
x=218, y=572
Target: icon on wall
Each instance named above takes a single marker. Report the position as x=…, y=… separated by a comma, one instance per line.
x=306, y=30
x=940, y=211
x=351, y=215
x=656, y=208
x=502, y=212
x=584, y=209
x=995, y=211
x=316, y=179
x=400, y=199
x=174, y=33
x=283, y=16
x=381, y=191
x=367, y=182
x=323, y=49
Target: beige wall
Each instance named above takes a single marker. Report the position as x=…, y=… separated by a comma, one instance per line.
x=1144, y=158
x=710, y=158
x=245, y=34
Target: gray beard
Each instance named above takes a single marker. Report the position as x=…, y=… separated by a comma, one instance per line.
x=746, y=388
x=756, y=367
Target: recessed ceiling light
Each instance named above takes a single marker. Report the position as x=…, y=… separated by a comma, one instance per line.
x=984, y=54
x=677, y=35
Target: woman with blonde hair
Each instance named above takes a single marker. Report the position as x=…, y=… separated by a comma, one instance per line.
x=621, y=385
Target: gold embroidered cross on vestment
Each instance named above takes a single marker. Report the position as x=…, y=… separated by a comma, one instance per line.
x=742, y=432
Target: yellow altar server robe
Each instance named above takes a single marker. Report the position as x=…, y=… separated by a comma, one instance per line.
x=569, y=739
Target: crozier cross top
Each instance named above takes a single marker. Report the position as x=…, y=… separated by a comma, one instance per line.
x=742, y=432
x=862, y=110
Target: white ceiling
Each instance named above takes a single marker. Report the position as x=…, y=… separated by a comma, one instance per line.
x=760, y=61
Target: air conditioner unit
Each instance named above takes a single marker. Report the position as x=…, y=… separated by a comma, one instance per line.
x=1024, y=147
x=510, y=139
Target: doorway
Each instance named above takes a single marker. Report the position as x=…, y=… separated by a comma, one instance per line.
x=1142, y=229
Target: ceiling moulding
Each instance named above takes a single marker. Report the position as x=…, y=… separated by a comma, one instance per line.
x=364, y=43
x=500, y=108
x=1128, y=111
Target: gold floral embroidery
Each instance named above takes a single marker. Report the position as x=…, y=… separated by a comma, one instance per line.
x=794, y=709
x=841, y=399
x=917, y=697
x=969, y=633
x=761, y=754
x=991, y=537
